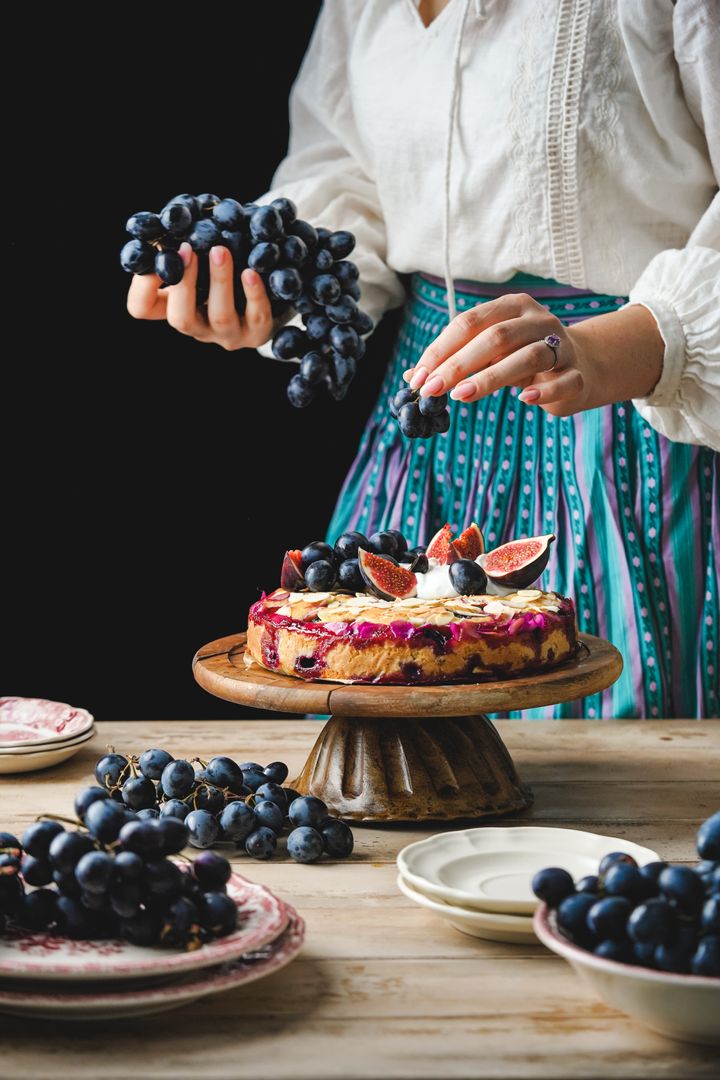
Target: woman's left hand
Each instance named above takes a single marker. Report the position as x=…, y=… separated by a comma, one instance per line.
x=501, y=343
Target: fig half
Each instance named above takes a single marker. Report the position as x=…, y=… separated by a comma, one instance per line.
x=518, y=563
x=291, y=575
x=470, y=543
x=441, y=547
x=384, y=579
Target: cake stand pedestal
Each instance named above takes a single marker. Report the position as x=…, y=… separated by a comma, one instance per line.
x=408, y=753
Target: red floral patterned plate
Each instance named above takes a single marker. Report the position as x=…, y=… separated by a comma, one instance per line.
x=36, y=722
x=119, y=1004
x=261, y=918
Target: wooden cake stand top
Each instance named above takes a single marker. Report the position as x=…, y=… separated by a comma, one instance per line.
x=219, y=667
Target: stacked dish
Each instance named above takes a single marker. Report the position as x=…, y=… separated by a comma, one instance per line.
x=35, y=734
x=42, y=975
x=478, y=880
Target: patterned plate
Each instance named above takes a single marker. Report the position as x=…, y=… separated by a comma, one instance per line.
x=36, y=722
x=114, y=1006
x=28, y=749
x=262, y=917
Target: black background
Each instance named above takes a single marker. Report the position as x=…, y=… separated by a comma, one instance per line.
x=150, y=483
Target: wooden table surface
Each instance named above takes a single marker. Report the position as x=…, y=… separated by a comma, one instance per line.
x=383, y=988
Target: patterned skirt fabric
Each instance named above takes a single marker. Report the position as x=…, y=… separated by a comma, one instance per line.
x=637, y=517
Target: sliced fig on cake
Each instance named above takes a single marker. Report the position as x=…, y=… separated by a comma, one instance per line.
x=384, y=579
x=291, y=575
x=441, y=547
x=518, y=563
x=470, y=543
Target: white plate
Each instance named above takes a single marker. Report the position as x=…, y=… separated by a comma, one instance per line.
x=483, y=924
x=114, y=1006
x=40, y=759
x=35, y=721
x=685, y=1007
x=490, y=869
x=58, y=744
x=262, y=917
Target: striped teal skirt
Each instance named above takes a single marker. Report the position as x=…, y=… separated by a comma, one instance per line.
x=637, y=517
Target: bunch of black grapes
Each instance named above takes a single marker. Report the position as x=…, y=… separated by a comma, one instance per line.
x=112, y=878
x=656, y=916
x=420, y=417
x=304, y=269
x=221, y=801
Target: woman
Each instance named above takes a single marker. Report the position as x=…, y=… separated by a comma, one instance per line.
x=550, y=159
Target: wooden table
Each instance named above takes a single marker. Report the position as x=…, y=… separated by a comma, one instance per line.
x=383, y=988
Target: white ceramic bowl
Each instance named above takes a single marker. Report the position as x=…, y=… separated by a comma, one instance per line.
x=515, y=929
x=684, y=1007
x=490, y=868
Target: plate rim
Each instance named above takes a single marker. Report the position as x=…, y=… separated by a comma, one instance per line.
x=450, y=911
x=461, y=898
x=48, y=748
x=217, y=952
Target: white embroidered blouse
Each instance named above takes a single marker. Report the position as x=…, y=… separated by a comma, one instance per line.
x=585, y=147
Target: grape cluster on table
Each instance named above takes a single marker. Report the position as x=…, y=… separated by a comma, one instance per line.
x=221, y=801
x=304, y=268
x=420, y=417
x=655, y=916
x=113, y=878
x=325, y=567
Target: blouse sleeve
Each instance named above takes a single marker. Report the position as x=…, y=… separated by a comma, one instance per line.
x=325, y=171
x=682, y=288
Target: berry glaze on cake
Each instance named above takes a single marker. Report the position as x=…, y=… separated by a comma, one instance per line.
x=456, y=614
x=361, y=639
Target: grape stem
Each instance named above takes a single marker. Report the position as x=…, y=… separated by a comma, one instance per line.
x=59, y=817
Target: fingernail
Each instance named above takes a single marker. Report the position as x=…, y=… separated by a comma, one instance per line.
x=435, y=385
x=418, y=378
x=217, y=255
x=185, y=253
x=462, y=391
x=407, y=375
x=530, y=395
x=249, y=278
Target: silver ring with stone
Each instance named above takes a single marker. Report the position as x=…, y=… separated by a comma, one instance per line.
x=552, y=341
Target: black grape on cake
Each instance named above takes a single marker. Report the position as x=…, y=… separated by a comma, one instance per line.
x=305, y=270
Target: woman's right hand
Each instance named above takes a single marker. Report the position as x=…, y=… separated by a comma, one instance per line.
x=220, y=324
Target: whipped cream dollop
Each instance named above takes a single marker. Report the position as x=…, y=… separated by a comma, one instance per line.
x=435, y=583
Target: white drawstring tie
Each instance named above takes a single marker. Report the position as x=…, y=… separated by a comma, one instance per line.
x=454, y=95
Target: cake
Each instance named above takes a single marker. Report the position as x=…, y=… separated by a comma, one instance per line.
x=450, y=614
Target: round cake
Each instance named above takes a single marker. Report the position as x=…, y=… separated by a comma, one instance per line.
x=371, y=611
x=362, y=639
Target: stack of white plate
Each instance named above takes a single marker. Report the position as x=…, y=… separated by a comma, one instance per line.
x=46, y=976
x=35, y=734
x=478, y=880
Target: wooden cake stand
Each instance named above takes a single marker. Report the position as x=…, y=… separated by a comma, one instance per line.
x=407, y=753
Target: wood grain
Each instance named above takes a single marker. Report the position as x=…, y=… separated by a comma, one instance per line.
x=220, y=669
x=408, y=753
x=382, y=988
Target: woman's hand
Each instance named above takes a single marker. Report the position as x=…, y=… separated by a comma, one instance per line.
x=222, y=324
x=501, y=343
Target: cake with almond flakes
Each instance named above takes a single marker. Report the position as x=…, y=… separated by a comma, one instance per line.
x=448, y=613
